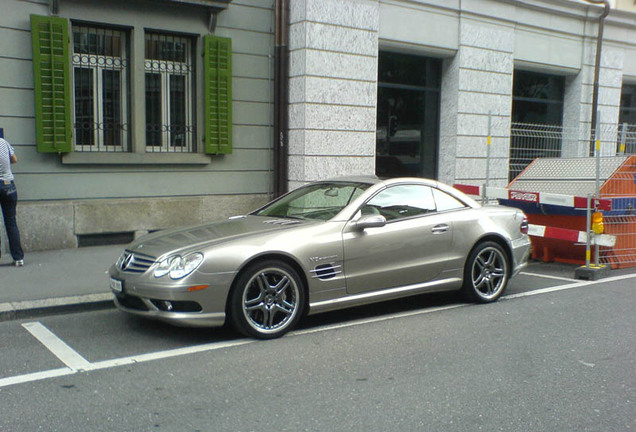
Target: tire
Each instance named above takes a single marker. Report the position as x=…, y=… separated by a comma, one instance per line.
x=267, y=300
x=486, y=273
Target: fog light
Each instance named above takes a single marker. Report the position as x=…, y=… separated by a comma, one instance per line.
x=167, y=305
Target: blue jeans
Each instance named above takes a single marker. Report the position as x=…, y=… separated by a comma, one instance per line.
x=9, y=200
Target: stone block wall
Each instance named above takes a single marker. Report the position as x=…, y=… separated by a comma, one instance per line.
x=58, y=225
x=333, y=89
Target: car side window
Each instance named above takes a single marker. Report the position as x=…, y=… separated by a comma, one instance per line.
x=445, y=202
x=401, y=201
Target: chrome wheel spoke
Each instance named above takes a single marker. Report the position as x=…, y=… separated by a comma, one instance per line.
x=489, y=286
x=255, y=302
x=498, y=272
x=281, y=286
x=479, y=280
x=286, y=307
x=268, y=317
x=263, y=283
x=254, y=305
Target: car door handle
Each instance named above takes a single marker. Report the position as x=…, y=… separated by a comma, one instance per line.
x=441, y=228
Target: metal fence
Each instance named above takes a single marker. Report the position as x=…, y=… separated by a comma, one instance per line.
x=531, y=141
x=621, y=220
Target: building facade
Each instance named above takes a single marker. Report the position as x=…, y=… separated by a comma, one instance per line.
x=120, y=117
x=450, y=74
x=158, y=127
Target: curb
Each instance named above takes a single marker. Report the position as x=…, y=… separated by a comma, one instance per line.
x=34, y=308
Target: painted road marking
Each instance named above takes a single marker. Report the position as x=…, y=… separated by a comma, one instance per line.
x=77, y=364
x=58, y=347
x=549, y=276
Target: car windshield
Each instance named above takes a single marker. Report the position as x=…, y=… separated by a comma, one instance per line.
x=317, y=201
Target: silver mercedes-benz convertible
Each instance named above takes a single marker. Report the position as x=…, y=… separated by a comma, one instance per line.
x=325, y=246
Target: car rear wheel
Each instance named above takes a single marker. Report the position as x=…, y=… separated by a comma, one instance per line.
x=267, y=300
x=487, y=272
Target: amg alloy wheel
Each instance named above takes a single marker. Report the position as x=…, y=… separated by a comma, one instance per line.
x=486, y=273
x=267, y=300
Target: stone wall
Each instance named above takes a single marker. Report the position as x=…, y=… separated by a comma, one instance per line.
x=58, y=225
x=333, y=74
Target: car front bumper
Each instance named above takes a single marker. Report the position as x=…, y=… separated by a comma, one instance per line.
x=198, y=300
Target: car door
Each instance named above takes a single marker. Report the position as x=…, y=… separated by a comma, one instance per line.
x=412, y=248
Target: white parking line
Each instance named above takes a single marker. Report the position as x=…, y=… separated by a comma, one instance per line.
x=36, y=376
x=57, y=346
x=549, y=276
x=77, y=363
x=577, y=284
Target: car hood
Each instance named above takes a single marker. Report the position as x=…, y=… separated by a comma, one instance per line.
x=206, y=235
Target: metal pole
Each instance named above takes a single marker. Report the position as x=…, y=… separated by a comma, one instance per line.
x=281, y=97
x=597, y=140
x=623, y=139
x=597, y=63
x=589, y=231
x=597, y=136
x=488, y=143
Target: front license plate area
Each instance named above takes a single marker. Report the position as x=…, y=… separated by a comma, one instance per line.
x=116, y=285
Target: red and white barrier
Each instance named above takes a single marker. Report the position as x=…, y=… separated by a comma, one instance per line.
x=572, y=236
x=533, y=197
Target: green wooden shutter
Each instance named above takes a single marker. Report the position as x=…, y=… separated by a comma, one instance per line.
x=51, y=75
x=218, y=94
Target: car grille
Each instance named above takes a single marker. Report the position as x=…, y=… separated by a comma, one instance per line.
x=134, y=262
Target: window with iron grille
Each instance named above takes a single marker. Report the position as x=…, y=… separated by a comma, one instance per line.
x=100, y=86
x=169, y=95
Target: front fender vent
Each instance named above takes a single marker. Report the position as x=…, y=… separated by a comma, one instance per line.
x=326, y=271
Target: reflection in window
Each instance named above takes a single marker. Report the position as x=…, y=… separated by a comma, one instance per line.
x=538, y=98
x=445, y=202
x=399, y=202
x=627, y=119
x=537, y=115
x=320, y=201
x=408, y=115
x=99, y=88
x=169, y=96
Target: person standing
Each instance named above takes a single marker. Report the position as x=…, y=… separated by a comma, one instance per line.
x=9, y=201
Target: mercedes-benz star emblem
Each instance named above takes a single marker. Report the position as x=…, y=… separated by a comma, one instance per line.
x=127, y=261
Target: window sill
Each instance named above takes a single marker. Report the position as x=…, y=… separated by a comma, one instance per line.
x=218, y=4
x=97, y=158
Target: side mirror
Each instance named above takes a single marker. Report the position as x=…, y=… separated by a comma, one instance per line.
x=370, y=221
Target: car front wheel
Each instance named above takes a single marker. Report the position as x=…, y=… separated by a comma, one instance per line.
x=267, y=300
x=486, y=273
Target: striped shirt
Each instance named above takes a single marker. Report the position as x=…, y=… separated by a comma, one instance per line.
x=6, y=151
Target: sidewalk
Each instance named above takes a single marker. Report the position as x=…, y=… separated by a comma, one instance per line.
x=53, y=281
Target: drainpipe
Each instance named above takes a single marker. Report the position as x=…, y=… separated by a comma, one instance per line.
x=54, y=7
x=281, y=97
x=597, y=68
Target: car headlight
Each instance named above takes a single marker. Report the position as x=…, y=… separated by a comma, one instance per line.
x=179, y=267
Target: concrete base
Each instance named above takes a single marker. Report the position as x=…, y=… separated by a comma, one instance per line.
x=592, y=272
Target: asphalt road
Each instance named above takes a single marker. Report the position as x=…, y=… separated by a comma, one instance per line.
x=554, y=355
